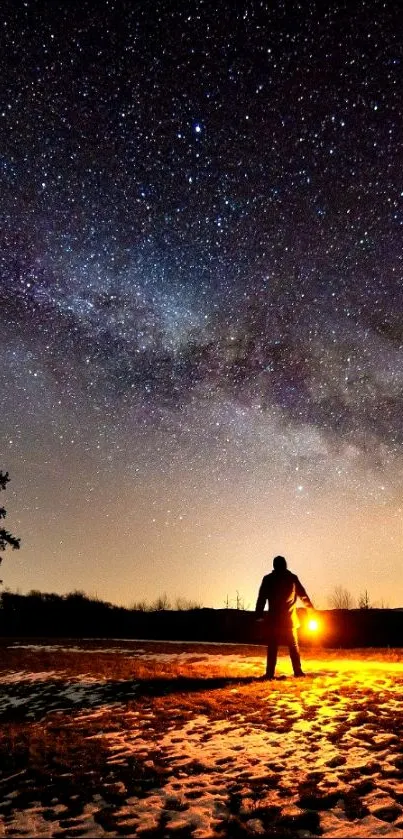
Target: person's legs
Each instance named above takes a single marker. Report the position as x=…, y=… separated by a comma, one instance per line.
x=272, y=647
x=295, y=657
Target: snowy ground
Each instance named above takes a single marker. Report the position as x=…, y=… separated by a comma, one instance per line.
x=186, y=741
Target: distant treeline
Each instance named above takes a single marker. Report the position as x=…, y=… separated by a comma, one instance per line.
x=76, y=615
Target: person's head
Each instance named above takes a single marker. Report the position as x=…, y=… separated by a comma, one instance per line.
x=279, y=563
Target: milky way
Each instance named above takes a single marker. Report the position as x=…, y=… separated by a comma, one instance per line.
x=201, y=294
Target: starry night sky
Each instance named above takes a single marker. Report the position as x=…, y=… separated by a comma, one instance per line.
x=201, y=296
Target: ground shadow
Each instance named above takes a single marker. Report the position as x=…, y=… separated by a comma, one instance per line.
x=188, y=684
x=25, y=700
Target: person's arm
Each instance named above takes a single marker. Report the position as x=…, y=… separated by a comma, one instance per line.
x=261, y=600
x=301, y=593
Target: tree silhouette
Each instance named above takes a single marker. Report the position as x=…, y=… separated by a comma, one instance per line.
x=6, y=538
x=364, y=601
x=340, y=598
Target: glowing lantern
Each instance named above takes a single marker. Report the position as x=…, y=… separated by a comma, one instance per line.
x=313, y=625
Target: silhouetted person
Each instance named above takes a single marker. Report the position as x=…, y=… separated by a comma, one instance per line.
x=282, y=589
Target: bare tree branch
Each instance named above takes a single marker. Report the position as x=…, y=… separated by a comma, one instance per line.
x=340, y=598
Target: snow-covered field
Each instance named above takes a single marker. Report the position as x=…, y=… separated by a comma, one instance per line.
x=124, y=738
